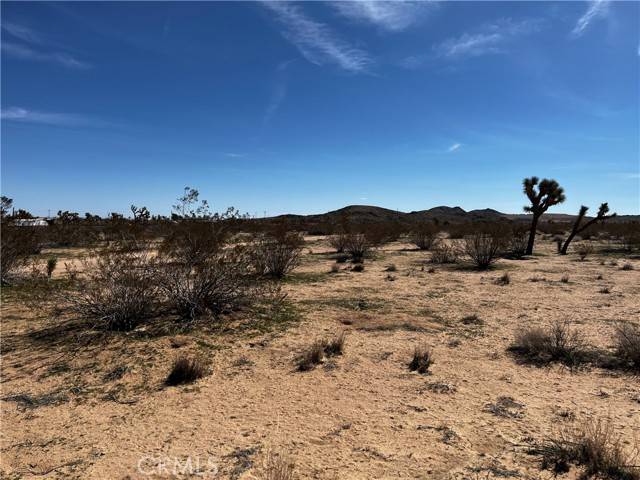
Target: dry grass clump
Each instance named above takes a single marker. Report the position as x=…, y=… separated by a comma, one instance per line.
x=503, y=279
x=605, y=290
x=311, y=357
x=472, y=320
x=626, y=267
x=558, y=343
x=595, y=447
x=335, y=346
x=627, y=341
x=422, y=359
x=277, y=467
x=338, y=242
x=315, y=353
x=185, y=370
x=335, y=268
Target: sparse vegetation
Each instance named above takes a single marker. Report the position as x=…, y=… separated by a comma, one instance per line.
x=185, y=370
x=358, y=246
x=594, y=446
x=503, y=279
x=311, y=356
x=443, y=252
x=424, y=236
x=422, y=359
x=557, y=343
x=584, y=250
x=627, y=342
x=483, y=248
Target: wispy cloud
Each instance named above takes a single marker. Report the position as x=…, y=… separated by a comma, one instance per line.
x=490, y=39
x=454, y=147
x=23, y=115
x=316, y=41
x=278, y=93
x=35, y=48
x=26, y=34
x=597, y=9
x=24, y=52
x=235, y=155
x=393, y=16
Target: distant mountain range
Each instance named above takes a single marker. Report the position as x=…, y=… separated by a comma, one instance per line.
x=370, y=214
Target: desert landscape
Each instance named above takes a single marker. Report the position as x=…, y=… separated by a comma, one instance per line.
x=365, y=357
x=330, y=240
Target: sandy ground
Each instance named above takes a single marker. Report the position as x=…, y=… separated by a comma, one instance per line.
x=362, y=415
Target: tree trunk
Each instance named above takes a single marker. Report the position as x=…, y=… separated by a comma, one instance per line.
x=565, y=247
x=532, y=234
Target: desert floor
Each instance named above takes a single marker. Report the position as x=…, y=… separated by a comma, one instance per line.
x=77, y=403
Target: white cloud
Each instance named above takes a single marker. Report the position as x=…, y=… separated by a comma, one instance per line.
x=234, y=155
x=389, y=15
x=18, y=114
x=491, y=38
x=24, y=52
x=454, y=147
x=597, y=9
x=316, y=41
x=278, y=93
x=23, y=33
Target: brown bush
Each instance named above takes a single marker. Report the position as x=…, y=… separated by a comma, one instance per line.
x=593, y=445
x=422, y=360
x=627, y=342
x=358, y=246
x=444, y=252
x=517, y=243
x=584, y=250
x=311, y=357
x=483, y=248
x=338, y=242
x=118, y=289
x=220, y=284
x=335, y=346
x=17, y=243
x=424, y=236
x=558, y=343
x=275, y=256
x=185, y=370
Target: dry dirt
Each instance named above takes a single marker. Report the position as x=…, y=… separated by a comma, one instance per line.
x=80, y=405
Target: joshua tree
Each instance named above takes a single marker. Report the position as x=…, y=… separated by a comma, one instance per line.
x=549, y=193
x=601, y=217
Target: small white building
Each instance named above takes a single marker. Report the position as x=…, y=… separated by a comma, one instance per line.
x=31, y=222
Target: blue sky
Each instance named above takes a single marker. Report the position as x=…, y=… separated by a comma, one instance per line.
x=308, y=107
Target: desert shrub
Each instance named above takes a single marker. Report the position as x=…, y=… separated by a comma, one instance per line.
x=605, y=290
x=422, y=360
x=626, y=267
x=51, y=266
x=503, y=279
x=311, y=356
x=517, y=243
x=219, y=284
x=584, y=250
x=627, y=341
x=118, y=289
x=342, y=258
x=17, y=243
x=424, y=235
x=391, y=268
x=338, y=242
x=335, y=268
x=444, y=252
x=380, y=233
x=194, y=241
x=335, y=346
x=277, y=467
x=275, y=256
x=558, y=343
x=483, y=248
x=564, y=279
x=185, y=370
x=358, y=246
x=593, y=445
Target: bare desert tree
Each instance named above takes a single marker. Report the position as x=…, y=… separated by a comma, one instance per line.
x=424, y=235
x=577, y=228
x=548, y=194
